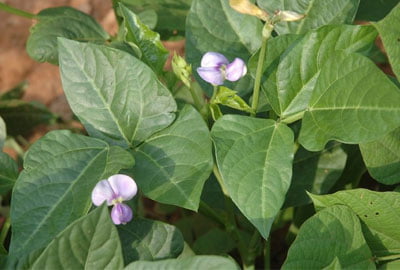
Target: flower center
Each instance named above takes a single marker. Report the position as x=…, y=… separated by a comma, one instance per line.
x=222, y=69
x=117, y=201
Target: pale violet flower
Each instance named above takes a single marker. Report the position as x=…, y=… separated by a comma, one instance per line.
x=114, y=191
x=215, y=68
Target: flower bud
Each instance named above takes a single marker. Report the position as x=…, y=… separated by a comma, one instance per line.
x=246, y=7
x=288, y=16
x=182, y=69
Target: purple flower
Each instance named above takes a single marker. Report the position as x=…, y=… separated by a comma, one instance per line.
x=114, y=191
x=215, y=68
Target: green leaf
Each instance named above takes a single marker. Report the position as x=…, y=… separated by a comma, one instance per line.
x=53, y=190
x=291, y=74
x=172, y=165
x=382, y=158
x=390, y=33
x=149, y=240
x=315, y=172
x=332, y=234
x=8, y=173
x=378, y=211
x=16, y=92
x=212, y=25
x=153, y=52
x=215, y=241
x=3, y=133
x=116, y=96
x=393, y=265
x=91, y=242
x=345, y=103
x=171, y=14
x=64, y=22
x=372, y=10
x=21, y=116
x=195, y=262
x=318, y=13
x=254, y=157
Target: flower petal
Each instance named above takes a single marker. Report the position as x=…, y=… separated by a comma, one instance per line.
x=236, y=70
x=213, y=59
x=211, y=74
x=121, y=214
x=123, y=186
x=102, y=192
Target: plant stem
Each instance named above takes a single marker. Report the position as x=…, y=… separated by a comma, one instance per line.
x=17, y=11
x=197, y=102
x=220, y=181
x=267, y=255
x=4, y=230
x=214, y=95
x=293, y=118
x=207, y=211
x=388, y=258
x=267, y=30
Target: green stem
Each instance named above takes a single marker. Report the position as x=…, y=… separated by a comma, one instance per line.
x=267, y=30
x=388, y=258
x=267, y=255
x=251, y=250
x=207, y=211
x=4, y=230
x=17, y=11
x=220, y=181
x=197, y=102
x=214, y=95
x=293, y=118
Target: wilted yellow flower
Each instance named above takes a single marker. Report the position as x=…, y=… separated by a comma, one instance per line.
x=246, y=7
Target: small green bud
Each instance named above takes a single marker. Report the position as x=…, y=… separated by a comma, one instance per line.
x=182, y=69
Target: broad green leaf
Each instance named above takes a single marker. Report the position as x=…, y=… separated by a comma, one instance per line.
x=153, y=52
x=116, y=96
x=64, y=22
x=255, y=158
x=315, y=172
x=3, y=133
x=378, y=211
x=318, y=13
x=382, y=158
x=215, y=241
x=332, y=234
x=171, y=14
x=389, y=32
x=372, y=10
x=212, y=25
x=15, y=93
x=290, y=75
x=195, y=262
x=149, y=240
x=21, y=116
x=8, y=173
x=53, y=190
x=91, y=242
x=345, y=103
x=172, y=165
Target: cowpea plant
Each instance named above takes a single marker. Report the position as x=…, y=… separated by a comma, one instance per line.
x=279, y=129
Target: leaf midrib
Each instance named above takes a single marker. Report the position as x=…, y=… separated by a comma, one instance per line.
x=106, y=105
